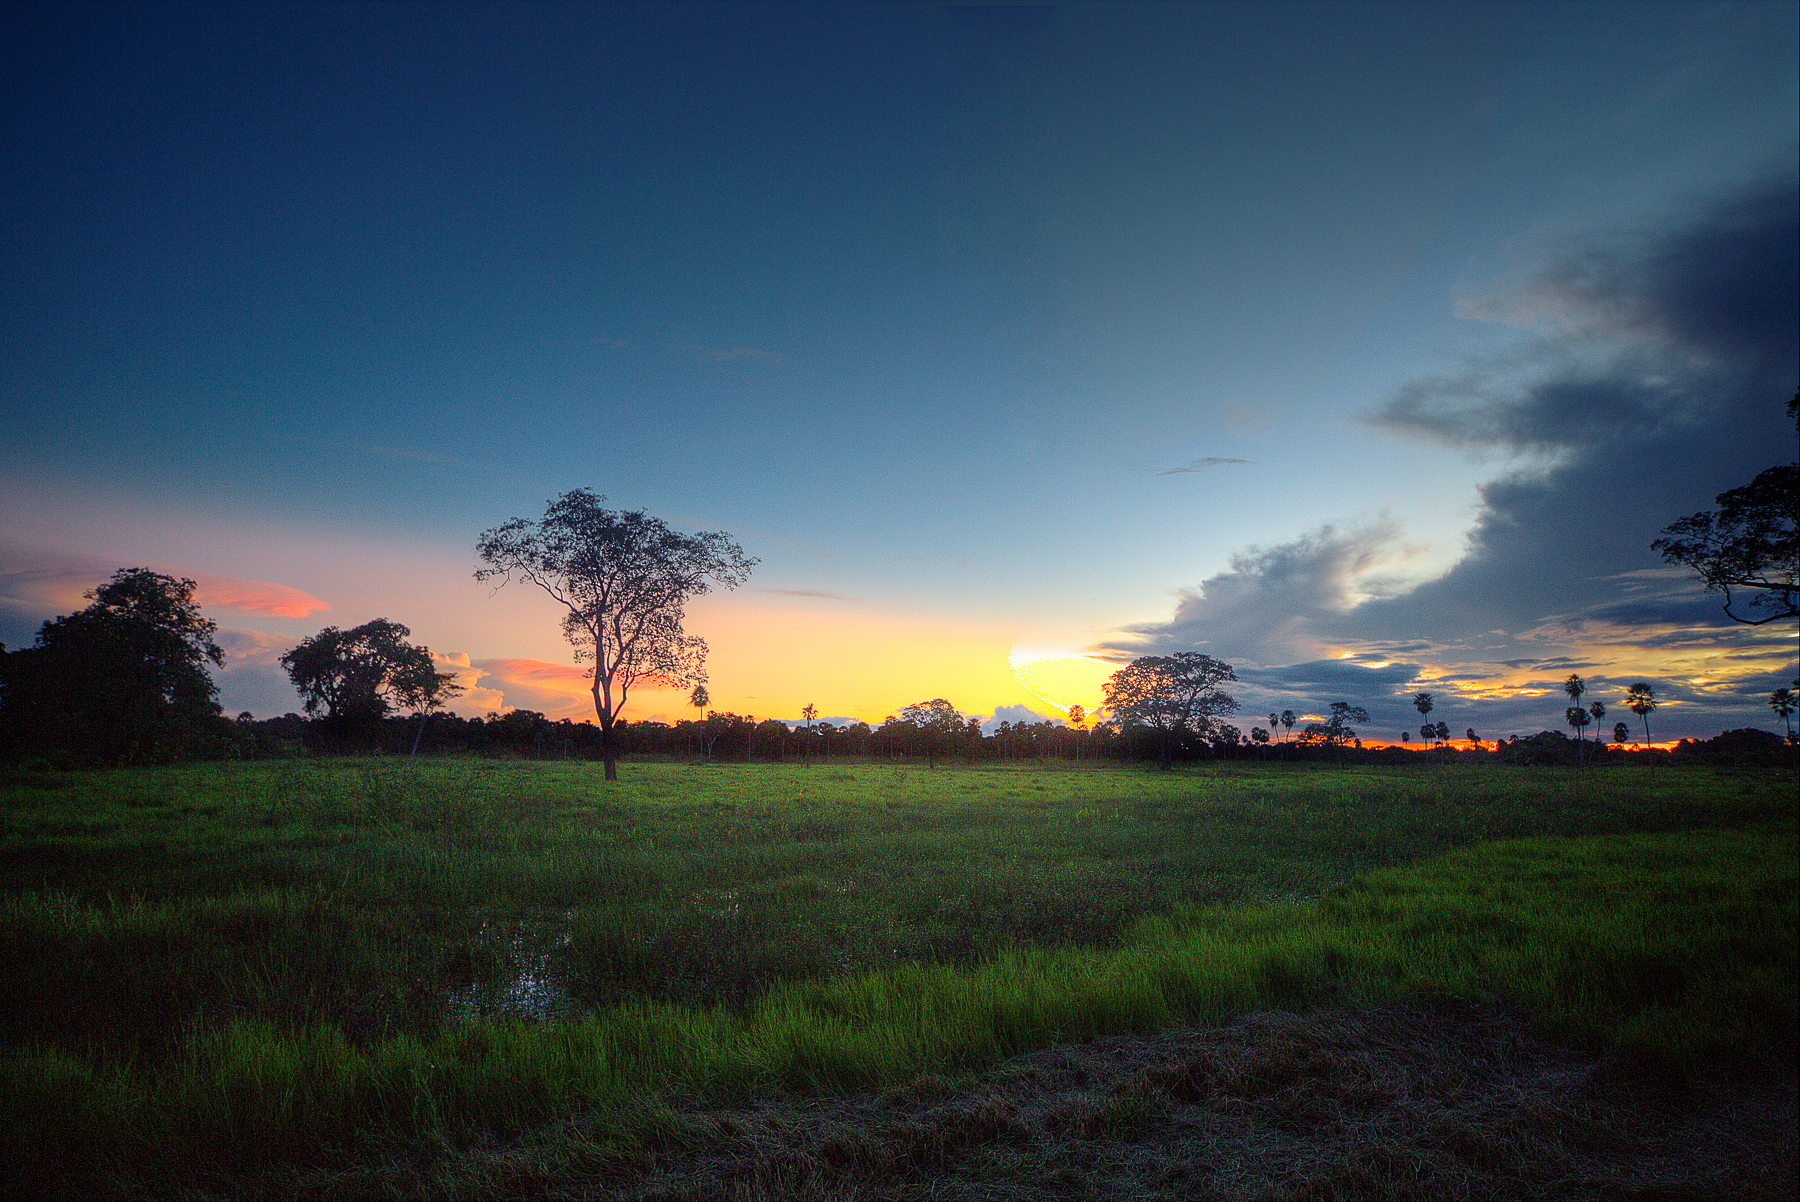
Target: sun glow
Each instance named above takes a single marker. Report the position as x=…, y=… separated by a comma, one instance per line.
x=1060, y=678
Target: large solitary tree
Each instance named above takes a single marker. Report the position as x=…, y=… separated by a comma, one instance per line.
x=122, y=681
x=1171, y=695
x=623, y=579
x=356, y=676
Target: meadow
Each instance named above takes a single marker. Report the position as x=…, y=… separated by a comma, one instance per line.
x=220, y=975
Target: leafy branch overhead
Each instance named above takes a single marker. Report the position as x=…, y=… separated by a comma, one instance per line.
x=1750, y=544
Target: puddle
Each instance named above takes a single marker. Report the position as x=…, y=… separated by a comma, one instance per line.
x=534, y=989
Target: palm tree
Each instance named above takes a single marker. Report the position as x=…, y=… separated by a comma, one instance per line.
x=1405, y=738
x=1621, y=733
x=1578, y=718
x=1288, y=718
x=1783, y=702
x=1640, y=699
x=1575, y=687
x=1274, y=721
x=1599, y=711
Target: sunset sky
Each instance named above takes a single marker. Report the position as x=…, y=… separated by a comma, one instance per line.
x=1363, y=346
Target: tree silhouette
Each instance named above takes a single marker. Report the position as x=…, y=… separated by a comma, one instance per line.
x=1640, y=699
x=1442, y=731
x=1405, y=737
x=1288, y=718
x=933, y=727
x=1335, y=731
x=1170, y=695
x=1427, y=732
x=1578, y=718
x=1782, y=701
x=356, y=676
x=1473, y=741
x=1621, y=733
x=121, y=681
x=624, y=579
x=1575, y=687
x=1274, y=721
x=1751, y=543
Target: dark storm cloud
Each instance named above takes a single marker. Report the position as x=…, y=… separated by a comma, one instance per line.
x=1654, y=378
x=1643, y=335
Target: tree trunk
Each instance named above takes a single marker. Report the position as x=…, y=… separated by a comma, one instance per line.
x=609, y=747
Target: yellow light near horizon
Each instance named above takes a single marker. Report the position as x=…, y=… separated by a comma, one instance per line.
x=1059, y=679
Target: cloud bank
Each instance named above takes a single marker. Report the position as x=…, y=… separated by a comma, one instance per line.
x=1649, y=374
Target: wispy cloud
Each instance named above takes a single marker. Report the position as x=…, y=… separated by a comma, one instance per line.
x=255, y=596
x=807, y=592
x=1200, y=465
x=722, y=353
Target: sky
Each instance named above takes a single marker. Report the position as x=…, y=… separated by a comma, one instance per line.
x=1365, y=347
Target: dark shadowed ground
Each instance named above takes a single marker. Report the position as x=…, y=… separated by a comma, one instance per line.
x=1404, y=1101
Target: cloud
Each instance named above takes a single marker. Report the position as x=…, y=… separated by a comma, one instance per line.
x=1016, y=714
x=252, y=678
x=475, y=699
x=816, y=593
x=1650, y=375
x=722, y=353
x=1638, y=336
x=254, y=596
x=1200, y=465
x=1265, y=606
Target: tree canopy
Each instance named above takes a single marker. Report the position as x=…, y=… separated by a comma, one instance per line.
x=122, y=681
x=1750, y=543
x=358, y=675
x=1171, y=695
x=623, y=579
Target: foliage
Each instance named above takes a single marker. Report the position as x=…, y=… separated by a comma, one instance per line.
x=123, y=681
x=357, y=675
x=1750, y=543
x=1171, y=695
x=1336, y=730
x=624, y=579
x=1640, y=699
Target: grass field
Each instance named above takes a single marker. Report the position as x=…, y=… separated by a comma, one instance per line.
x=340, y=963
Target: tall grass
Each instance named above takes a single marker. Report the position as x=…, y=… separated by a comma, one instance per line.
x=261, y=992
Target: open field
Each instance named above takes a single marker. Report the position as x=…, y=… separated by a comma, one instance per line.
x=244, y=966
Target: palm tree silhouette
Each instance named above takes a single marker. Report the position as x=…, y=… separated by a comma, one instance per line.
x=1640, y=699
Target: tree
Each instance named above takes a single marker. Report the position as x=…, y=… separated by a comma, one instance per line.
x=1783, y=702
x=700, y=699
x=1621, y=733
x=1598, y=710
x=1170, y=695
x=1288, y=718
x=1575, y=687
x=931, y=726
x=1405, y=737
x=809, y=713
x=1258, y=735
x=1474, y=742
x=1274, y=720
x=624, y=580
x=1640, y=699
x=1578, y=718
x=122, y=681
x=1335, y=731
x=1751, y=543
x=1428, y=732
x=1422, y=703
x=357, y=675
x=1078, y=720
x=1442, y=731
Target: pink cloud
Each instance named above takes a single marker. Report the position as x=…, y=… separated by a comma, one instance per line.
x=255, y=596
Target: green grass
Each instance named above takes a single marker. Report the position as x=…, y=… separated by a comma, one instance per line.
x=244, y=965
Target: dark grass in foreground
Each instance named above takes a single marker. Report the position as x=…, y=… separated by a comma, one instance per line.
x=1676, y=950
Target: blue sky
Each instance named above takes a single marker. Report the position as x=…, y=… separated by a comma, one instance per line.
x=1312, y=336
